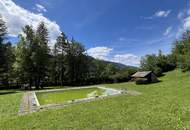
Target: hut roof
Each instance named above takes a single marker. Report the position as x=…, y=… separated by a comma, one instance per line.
x=142, y=74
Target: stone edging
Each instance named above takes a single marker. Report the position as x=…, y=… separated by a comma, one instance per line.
x=73, y=88
x=79, y=101
x=30, y=103
x=36, y=99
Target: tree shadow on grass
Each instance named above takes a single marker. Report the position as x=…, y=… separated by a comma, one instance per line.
x=162, y=75
x=5, y=93
x=150, y=83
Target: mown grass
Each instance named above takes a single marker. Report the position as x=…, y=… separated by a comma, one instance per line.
x=66, y=95
x=9, y=103
x=162, y=106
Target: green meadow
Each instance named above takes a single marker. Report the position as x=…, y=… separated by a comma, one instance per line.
x=161, y=106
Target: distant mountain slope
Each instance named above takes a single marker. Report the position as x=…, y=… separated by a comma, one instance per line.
x=118, y=65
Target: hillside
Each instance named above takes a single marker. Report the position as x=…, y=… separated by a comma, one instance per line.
x=163, y=105
x=121, y=66
x=117, y=65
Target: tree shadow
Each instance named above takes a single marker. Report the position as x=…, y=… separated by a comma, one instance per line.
x=5, y=93
x=162, y=75
x=150, y=83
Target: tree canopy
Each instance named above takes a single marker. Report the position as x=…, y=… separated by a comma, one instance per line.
x=181, y=51
x=33, y=63
x=158, y=63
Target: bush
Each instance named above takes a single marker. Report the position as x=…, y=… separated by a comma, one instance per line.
x=158, y=71
x=158, y=63
x=120, y=77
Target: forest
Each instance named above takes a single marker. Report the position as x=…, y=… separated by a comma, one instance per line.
x=32, y=62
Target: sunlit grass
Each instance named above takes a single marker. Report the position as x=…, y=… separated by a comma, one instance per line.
x=66, y=95
x=9, y=103
x=162, y=106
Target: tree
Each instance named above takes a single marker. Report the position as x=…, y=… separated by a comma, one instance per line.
x=3, y=30
x=32, y=55
x=40, y=56
x=181, y=51
x=158, y=63
x=6, y=55
x=54, y=66
x=23, y=65
x=76, y=66
x=61, y=46
x=10, y=58
x=21, y=68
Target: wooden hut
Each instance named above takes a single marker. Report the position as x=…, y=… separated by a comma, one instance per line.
x=149, y=76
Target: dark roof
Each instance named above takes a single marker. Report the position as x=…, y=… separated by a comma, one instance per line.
x=142, y=74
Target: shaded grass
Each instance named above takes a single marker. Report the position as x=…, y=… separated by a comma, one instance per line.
x=66, y=95
x=162, y=106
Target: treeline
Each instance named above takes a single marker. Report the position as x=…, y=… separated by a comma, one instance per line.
x=181, y=51
x=158, y=63
x=179, y=57
x=31, y=62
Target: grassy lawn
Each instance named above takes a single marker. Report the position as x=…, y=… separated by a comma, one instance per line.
x=9, y=103
x=66, y=95
x=162, y=106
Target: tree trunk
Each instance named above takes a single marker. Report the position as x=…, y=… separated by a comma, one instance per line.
x=39, y=79
x=62, y=72
x=55, y=81
x=62, y=76
x=36, y=83
x=30, y=84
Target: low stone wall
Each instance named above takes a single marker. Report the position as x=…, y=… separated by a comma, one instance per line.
x=79, y=101
x=30, y=103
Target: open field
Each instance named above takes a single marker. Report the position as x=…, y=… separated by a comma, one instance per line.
x=161, y=106
x=66, y=95
x=9, y=103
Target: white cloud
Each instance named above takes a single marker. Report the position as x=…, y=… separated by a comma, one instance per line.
x=158, y=14
x=184, y=18
x=188, y=11
x=127, y=59
x=17, y=17
x=103, y=53
x=40, y=8
x=147, y=18
x=180, y=15
x=186, y=24
x=127, y=40
x=168, y=31
x=183, y=14
x=162, y=13
x=122, y=39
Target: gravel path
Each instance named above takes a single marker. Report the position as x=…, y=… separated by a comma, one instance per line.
x=24, y=106
x=28, y=104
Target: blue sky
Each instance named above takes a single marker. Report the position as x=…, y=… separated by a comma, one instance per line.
x=115, y=30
